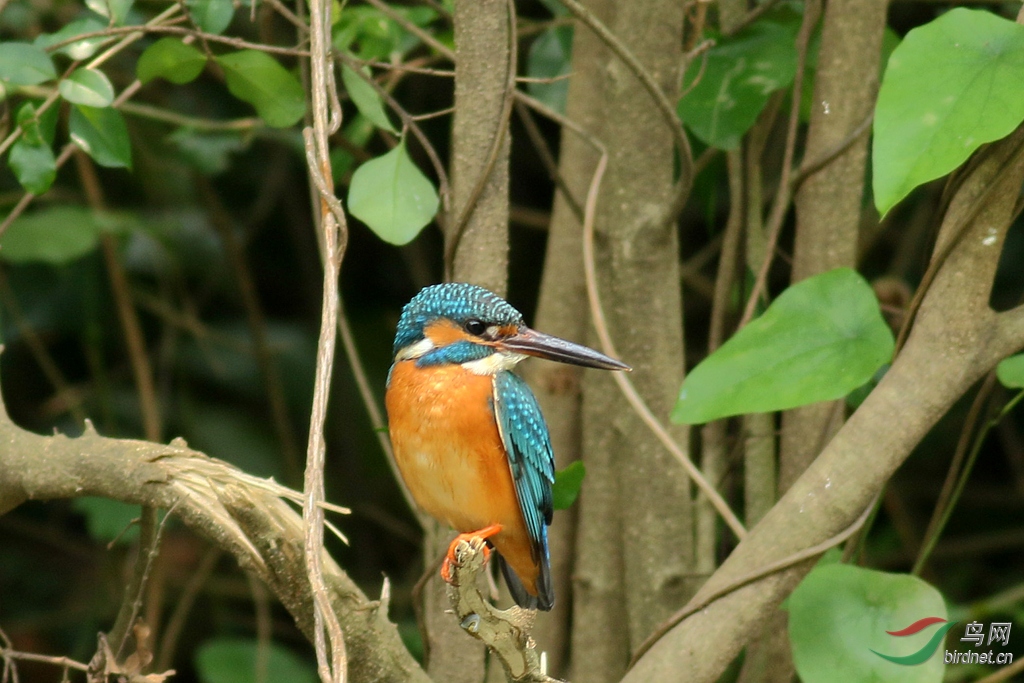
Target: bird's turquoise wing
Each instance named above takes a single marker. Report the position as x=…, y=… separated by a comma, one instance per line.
x=529, y=454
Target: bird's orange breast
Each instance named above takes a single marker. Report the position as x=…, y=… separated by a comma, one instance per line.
x=451, y=456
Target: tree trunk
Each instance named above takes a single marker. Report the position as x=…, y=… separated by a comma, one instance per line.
x=635, y=496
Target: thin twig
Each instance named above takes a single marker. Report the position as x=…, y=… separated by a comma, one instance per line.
x=809, y=168
x=784, y=193
x=752, y=16
x=409, y=122
x=547, y=158
x=182, y=31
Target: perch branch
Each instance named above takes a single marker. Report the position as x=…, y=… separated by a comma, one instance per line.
x=506, y=633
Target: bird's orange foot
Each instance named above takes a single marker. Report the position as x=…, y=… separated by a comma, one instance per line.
x=450, y=559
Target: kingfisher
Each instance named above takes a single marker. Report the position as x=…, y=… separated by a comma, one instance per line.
x=467, y=432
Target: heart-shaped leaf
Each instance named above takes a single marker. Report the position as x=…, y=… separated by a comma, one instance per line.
x=950, y=86
x=821, y=339
x=54, y=235
x=392, y=196
x=841, y=624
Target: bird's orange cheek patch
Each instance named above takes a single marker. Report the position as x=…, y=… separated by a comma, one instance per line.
x=444, y=332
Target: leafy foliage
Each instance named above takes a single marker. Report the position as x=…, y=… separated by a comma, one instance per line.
x=567, y=486
x=950, y=87
x=171, y=59
x=724, y=97
x=392, y=196
x=102, y=134
x=233, y=660
x=819, y=340
x=260, y=80
x=838, y=618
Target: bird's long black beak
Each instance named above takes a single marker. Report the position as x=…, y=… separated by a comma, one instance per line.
x=534, y=343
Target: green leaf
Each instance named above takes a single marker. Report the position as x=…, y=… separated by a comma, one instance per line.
x=233, y=660
x=372, y=35
x=81, y=49
x=111, y=9
x=107, y=520
x=818, y=341
x=740, y=74
x=33, y=164
x=87, y=86
x=213, y=16
x=170, y=59
x=1010, y=372
x=392, y=196
x=551, y=56
x=260, y=80
x=54, y=235
x=366, y=99
x=29, y=124
x=568, y=483
x=950, y=86
x=25, y=64
x=102, y=134
x=838, y=618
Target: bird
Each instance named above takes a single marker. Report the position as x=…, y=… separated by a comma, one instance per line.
x=467, y=433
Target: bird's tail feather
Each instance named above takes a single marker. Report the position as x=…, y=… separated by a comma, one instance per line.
x=545, y=598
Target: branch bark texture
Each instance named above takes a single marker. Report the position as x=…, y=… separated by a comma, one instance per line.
x=240, y=514
x=956, y=340
x=626, y=573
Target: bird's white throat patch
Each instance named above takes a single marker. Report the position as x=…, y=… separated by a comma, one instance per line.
x=498, y=361
x=416, y=350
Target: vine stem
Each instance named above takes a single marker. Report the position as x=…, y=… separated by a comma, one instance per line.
x=332, y=661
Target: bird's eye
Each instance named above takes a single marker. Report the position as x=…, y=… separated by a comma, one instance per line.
x=476, y=327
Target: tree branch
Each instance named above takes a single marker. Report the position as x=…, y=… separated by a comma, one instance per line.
x=241, y=514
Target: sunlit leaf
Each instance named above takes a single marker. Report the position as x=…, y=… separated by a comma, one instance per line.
x=25, y=64
x=1011, y=372
x=233, y=660
x=258, y=78
x=366, y=99
x=79, y=49
x=111, y=9
x=551, y=56
x=171, y=59
x=568, y=483
x=213, y=16
x=54, y=235
x=838, y=622
x=87, y=86
x=950, y=86
x=392, y=196
x=821, y=339
x=33, y=164
x=102, y=134
x=740, y=74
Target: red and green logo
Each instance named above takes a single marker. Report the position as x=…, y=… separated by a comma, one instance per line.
x=929, y=648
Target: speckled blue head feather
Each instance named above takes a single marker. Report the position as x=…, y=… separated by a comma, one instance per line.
x=456, y=301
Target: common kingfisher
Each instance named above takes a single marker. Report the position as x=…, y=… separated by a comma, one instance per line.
x=468, y=434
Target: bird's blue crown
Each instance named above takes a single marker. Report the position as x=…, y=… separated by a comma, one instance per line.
x=455, y=301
